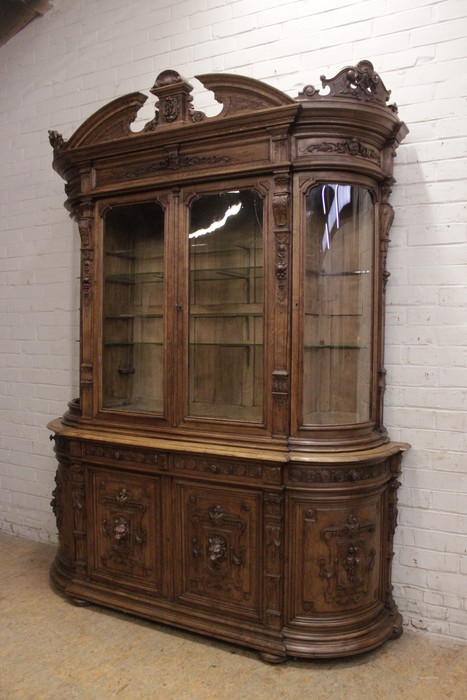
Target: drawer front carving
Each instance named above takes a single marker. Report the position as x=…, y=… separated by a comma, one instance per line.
x=218, y=541
x=127, y=528
x=334, y=564
x=128, y=455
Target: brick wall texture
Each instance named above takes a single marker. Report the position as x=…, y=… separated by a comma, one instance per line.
x=83, y=53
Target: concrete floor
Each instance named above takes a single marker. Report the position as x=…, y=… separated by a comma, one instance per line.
x=52, y=649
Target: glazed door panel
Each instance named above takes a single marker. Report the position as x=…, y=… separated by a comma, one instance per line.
x=218, y=540
x=226, y=298
x=337, y=309
x=126, y=520
x=133, y=343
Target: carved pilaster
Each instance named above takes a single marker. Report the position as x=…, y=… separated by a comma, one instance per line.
x=393, y=486
x=273, y=557
x=78, y=501
x=281, y=214
x=386, y=217
x=88, y=275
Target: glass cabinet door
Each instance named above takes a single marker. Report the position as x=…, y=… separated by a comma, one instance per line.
x=225, y=359
x=338, y=305
x=133, y=340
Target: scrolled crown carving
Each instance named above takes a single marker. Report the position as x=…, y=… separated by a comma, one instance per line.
x=360, y=82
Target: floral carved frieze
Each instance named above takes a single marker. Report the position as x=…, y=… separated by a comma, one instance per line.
x=350, y=147
x=173, y=161
x=322, y=475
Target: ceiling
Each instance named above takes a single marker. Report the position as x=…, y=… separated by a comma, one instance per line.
x=16, y=14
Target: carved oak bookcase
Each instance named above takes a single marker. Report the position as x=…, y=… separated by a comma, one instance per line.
x=225, y=468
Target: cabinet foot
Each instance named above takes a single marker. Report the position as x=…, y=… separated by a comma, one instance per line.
x=272, y=658
x=79, y=602
x=397, y=628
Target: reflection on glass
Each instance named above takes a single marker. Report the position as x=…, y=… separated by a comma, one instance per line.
x=338, y=305
x=133, y=351
x=226, y=307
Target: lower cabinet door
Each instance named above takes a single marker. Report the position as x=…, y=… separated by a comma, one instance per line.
x=218, y=548
x=126, y=526
x=334, y=556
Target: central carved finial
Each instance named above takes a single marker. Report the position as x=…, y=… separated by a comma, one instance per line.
x=175, y=100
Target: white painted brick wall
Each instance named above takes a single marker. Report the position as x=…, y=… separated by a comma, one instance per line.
x=81, y=54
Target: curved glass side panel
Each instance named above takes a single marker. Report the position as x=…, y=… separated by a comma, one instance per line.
x=338, y=305
x=226, y=307
x=133, y=340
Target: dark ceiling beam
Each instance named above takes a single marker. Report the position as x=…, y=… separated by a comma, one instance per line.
x=16, y=14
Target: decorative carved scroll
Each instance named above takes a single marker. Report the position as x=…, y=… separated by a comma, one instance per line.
x=57, y=497
x=56, y=140
x=239, y=94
